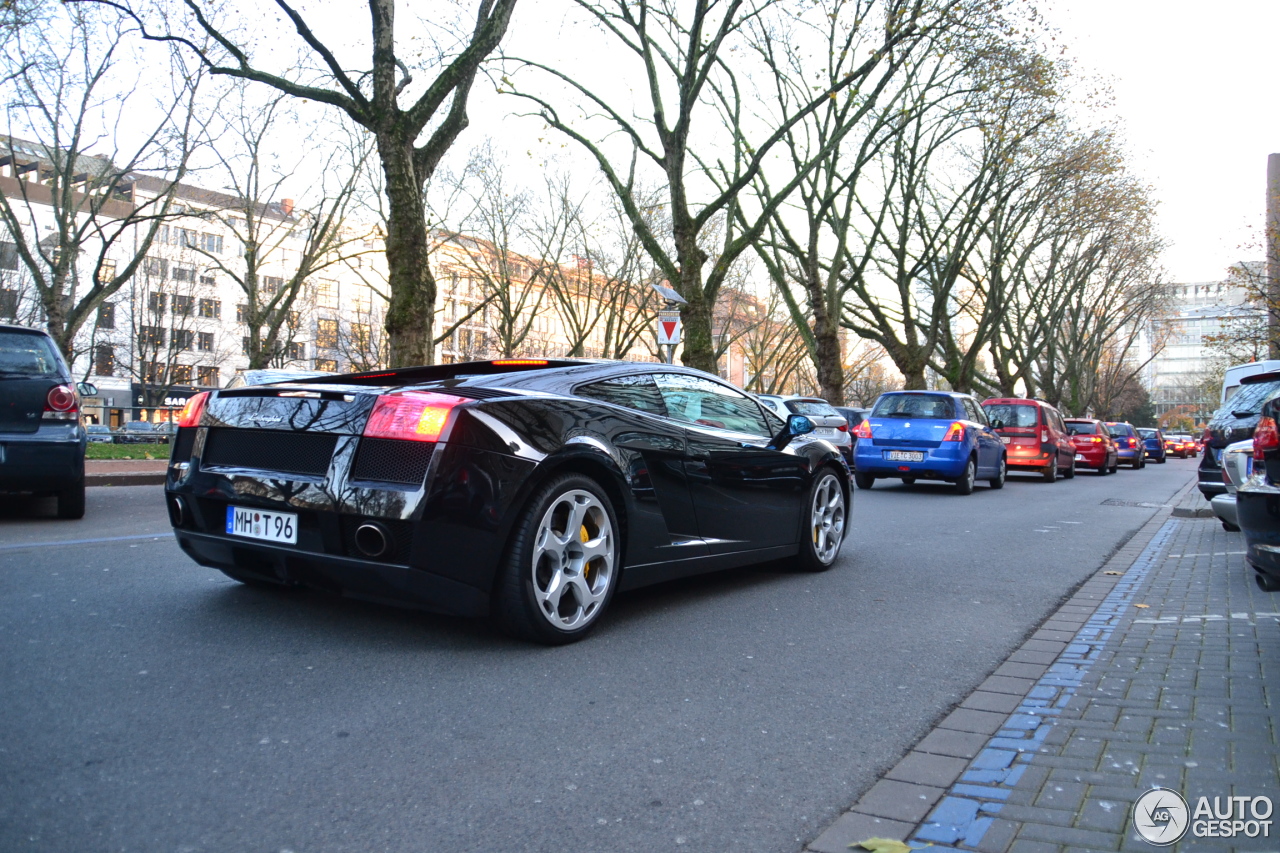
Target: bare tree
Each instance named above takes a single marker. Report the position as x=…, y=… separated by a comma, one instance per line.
x=80, y=207
x=371, y=98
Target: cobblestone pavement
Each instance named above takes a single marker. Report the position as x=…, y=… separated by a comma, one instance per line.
x=1158, y=672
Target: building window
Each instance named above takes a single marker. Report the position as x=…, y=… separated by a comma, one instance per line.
x=184, y=338
x=150, y=336
x=208, y=376
x=184, y=274
x=327, y=334
x=204, y=341
x=182, y=305
x=210, y=308
x=327, y=294
x=208, y=279
x=153, y=372
x=155, y=267
x=212, y=243
x=8, y=256
x=106, y=317
x=297, y=352
x=104, y=360
x=328, y=364
x=186, y=237
x=362, y=300
x=242, y=313
x=8, y=304
x=181, y=374
x=155, y=302
x=270, y=284
x=106, y=271
x=360, y=336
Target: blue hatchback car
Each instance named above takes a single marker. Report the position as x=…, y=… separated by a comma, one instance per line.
x=1153, y=440
x=929, y=435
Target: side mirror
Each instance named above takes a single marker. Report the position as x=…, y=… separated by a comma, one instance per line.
x=87, y=389
x=796, y=425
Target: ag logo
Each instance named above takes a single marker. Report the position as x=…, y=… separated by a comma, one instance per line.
x=1160, y=816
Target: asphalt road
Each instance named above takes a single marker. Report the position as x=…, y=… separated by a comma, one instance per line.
x=150, y=704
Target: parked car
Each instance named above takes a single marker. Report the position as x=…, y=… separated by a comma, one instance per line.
x=528, y=490
x=141, y=432
x=852, y=416
x=42, y=440
x=1258, y=494
x=99, y=434
x=1129, y=446
x=1182, y=446
x=1235, y=421
x=1237, y=466
x=829, y=424
x=1095, y=448
x=929, y=435
x=1153, y=441
x=1034, y=435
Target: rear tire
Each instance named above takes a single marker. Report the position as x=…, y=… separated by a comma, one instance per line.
x=826, y=523
x=562, y=563
x=864, y=481
x=1070, y=473
x=71, y=502
x=1230, y=528
x=997, y=482
x=1115, y=467
x=964, y=486
x=1051, y=475
x=1266, y=583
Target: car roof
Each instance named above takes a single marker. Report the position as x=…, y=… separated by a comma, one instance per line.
x=11, y=327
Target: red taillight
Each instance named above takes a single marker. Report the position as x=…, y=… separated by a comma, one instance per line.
x=956, y=433
x=515, y=362
x=1097, y=439
x=410, y=416
x=843, y=428
x=1044, y=436
x=863, y=430
x=1265, y=437
x=194, y=408
x=61, y=404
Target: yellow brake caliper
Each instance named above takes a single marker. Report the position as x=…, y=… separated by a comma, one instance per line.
x=585, y=537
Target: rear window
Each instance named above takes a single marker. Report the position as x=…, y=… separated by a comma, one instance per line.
x=1147, y=433
x=1117, y=429
x=820, y=408
x=1082, y=429
x=28, y=356
x=936, y=406
x=1013, y=414
x=1249, y=399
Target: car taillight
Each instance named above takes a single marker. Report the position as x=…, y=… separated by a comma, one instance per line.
x=410, y=416
x=863, y=430
x=194, y=408
x=1265, y=437
x=843, y=427
x=1097, y=439
x=956, y=433
x=1044, y=436
x=61, y=404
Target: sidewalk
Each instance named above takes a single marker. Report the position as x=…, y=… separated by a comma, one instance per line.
x=1157, y=672
x=126, y=472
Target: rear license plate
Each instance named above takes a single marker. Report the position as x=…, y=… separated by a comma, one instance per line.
x=1079, y=458
x=1005, y=439
x=904, y=455
x=260, y=524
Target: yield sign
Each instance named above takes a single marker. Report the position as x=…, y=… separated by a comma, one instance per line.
x=669, y=328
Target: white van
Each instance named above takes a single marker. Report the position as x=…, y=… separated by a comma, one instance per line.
x=1231, y=379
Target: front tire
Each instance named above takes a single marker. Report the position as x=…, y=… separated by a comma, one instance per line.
x=562, y=564
x=826, y=520
x=964, y=486
x=864, y=481
x=71, y=502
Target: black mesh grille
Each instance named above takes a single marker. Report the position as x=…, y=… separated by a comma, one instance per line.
x=287, y=452
x=481, y=393
x=182, y=444
x=389, y=460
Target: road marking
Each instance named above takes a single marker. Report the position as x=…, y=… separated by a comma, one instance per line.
x=85, y=541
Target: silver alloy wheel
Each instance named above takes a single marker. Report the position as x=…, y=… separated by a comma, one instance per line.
x=826, y=519
x=573, y=560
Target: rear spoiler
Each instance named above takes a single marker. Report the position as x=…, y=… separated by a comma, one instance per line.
x=437, y=372
x=1260, y=377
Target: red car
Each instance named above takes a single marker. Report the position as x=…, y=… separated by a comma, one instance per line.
x=1034, y=435
x=1094, y=446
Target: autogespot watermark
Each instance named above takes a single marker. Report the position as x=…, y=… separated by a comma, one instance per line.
x=1162, y=817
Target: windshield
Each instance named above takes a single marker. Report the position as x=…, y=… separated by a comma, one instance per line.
x=1249, y=399
x=1013, y=414
x=33, y=356
x=1082, y=429
x=936, y=406
x=812, y=407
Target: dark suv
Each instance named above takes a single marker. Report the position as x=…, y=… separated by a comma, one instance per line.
x=1235, y=421
x=41, y=438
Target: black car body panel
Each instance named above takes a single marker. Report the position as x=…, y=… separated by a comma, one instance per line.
x=691, y=497
x=38, y=454
x=1235, y=421
x=1258, y=503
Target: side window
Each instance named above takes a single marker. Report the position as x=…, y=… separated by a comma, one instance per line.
x=637, y=392
x=973, y=411
x=702, y=401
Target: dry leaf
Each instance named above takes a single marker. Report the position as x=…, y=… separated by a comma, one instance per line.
x=1113, y=573
x=883, y=845
x=1144, y=606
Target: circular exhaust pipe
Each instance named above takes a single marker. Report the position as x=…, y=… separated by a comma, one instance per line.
x=372, y=539
x=177, y=511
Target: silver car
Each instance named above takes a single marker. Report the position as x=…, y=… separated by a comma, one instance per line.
x=829, y=424
x=1237, y=465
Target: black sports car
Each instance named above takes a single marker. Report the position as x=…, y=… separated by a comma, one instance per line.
x=528, y=490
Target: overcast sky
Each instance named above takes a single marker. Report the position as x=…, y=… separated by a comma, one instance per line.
x=1195, y=86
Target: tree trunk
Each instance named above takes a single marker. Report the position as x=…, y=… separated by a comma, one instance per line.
x=413, y=288
x=828, y=359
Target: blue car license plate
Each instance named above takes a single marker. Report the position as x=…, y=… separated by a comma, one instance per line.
x=904, y=455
